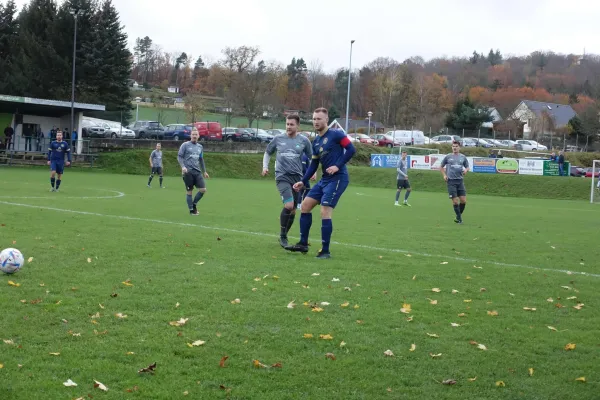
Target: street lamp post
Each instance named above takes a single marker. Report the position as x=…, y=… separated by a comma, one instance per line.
x=370, y=114
x=75, y=13
x=349, y=79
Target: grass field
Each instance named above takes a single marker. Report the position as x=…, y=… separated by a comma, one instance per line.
x=102, y=230
x=179, y=116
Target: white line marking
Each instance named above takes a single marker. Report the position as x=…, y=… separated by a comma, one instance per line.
x=358, y=246
x=118, y=194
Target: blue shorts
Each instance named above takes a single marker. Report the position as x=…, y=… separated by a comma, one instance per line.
x=57, y=166
x=328, y=192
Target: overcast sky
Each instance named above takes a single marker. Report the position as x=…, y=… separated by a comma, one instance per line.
x=322, y=29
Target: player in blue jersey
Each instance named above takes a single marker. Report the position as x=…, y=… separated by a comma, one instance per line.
x=302, y=193
x=56, y=159
x=332, y=149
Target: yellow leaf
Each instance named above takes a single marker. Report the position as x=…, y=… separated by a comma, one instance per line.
x=317, y=309
x=414, y=278
x=405, y=308
x=235, y=301
x=433, y=335
x=308, y=336
x=581, y=379
x=130, y=353
x=54, y=354
x=342, y=344
x=476, y=267
x=413, y=347
x=530, y=371
x=578, y=306
x=198, y=343
x=181, y=322
x=324, y=303
x=552, y=328
x=326, y=337
x=388, y=353
x=462, y=315
x=500, y=384
x=492, y=313
x=436, y=290
x=89, y=260
x=570, y=346
x=346, y=304
x=435, y=355
x=127, y=283
x=258, y=364
x=30, y=259
x=121, y=315
x=472, y=379
x=1, y=366
x=100, y=386
x=433, y=302
x=529, y=308
x=356, y=306
x=11, y=283
x=9, y=341
x=467, y=277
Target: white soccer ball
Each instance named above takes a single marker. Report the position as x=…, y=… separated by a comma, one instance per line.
x=11, y=260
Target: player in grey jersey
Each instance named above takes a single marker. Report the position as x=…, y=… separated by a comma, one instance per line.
x=402, y=180
x=288, y=170
x=454, y=167
x=156, y=165
x=193, y=169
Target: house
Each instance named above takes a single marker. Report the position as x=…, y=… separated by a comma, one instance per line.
x=355, y=125
x=540, y=118
x=173, y=89
x=496, y=117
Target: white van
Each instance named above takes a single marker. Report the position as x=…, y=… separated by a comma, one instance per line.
x=409, y=138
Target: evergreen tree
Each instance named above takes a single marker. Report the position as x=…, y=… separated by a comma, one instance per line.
x=467, y=115
x=9, y=29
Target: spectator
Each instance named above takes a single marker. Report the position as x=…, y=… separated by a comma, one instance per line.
x=553, y=157
x=39, y=139
x=53, y=134
x=74, y=141
x=9, y=132
x=561, y=163
x=28, y=135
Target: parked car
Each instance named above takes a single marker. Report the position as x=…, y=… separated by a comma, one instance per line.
x=92, y=130
x=209, y=131
x=508, y=143
x=148, y=129
x=588, y=172
x=467, y=142
x=236, y=135
x=448, y=139
x=116, y=130
x=408, y=137
x=276, y=132
x=483, y=143
x=178, y=132
x=362, y=138
x=385, y=140
x=529, y=145
x=495, y=142
x=578, y=171
x=261, y=135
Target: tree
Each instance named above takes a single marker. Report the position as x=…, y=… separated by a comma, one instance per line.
x=194, y=106
x=333, y=113
x=474, y=58
x=315, y=73
x=251, y=89
x=590, y=125
x=573, y=98
x=9, y=30
x=466, y=115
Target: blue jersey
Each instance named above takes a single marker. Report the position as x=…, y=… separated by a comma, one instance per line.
x=329, y=150
x=57, y=150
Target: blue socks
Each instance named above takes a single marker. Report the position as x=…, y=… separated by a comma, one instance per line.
x=305, y=223
x=406, y=195
x=57, y=184
x=190, y=204
x=52, y=180
x=326, y=230
x=197, y=198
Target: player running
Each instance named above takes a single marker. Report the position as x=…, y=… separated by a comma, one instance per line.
x=193, y=170
x=454, y=167
x=290, y=148
x=402, y=180
x=56, y=160
x=156, y=165
x=333, y=150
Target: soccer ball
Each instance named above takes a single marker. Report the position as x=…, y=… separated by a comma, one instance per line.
x=11, y=260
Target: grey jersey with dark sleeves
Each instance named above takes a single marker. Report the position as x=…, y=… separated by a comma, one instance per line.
x=191, y=156
x=454, y=165
x=289, y=154
x=156, y=157
x=402, y=169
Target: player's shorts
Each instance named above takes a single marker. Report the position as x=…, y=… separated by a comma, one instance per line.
x=156, y=170
x=403, y=184
x=328, y=192
x=456, y=188
x=57, y=166
x=285, y=186
x=193, y=178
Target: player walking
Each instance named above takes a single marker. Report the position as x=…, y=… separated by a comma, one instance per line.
x=333, y=150
x=290, y=148
x=156, y=165
x=402, y=180
x=56, y=160
x=454, y=167
x=193, y=170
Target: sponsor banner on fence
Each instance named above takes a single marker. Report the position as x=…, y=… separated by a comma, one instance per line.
x=435, y=160
x=507, y=166
x=551, y=168
x=484, y=165
x=531, y=167
x=419, y=162
x=384, y=160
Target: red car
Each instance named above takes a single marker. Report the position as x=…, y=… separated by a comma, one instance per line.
x=387, y=141
x=361, y=137
x=588, y=173
x=209, y=131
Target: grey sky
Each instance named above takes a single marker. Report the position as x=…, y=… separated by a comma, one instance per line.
x=322, y=29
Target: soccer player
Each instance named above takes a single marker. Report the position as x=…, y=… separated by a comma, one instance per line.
x=333, y=149
x=156, y=165
x=402, y=180
x=454, y=167
x=56, y=160
x=290, y=148
x=302, y=193
x=193, y=169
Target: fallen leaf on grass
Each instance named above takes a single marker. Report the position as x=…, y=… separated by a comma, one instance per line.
x=235, y=301
x=326, y=337
x=405, y=308
x=100, y=386
x=23, y=301
x=342, y=344
x=454, y=324
x=317, y=309
x=500, y=384
x=432, y=302
x=130, y=353
x=571, y=298
x=89, y=260
x=566, y=287
x=414, y=278
x=200, y=263
x=9, y=342
x=449, y=382
x=291, y=304
x=277, y=365
x=433, y=335
x=558, y=305
x=552, y=328
x=335, y=280
x=100, y=333
x=492, y=313
x=121, y=315
x=324, y=303
x=570, y=346
x=413, y=347
x=150, y=368
x=181, y=322
x=356, y=307
x=581, y=379
x=467, y=277
x=550, y=300
x=308, y=336
x=530, y=370
x=359, y=321
x=69, y=383
x=472, y=379
x=467, y=300
x=454, y=291
x=578, y=306
x=1, y=365
x=347, y=289
x=444, y=262
x=11, y=283
x=346, y=304
x=436, y=290
x=196, y=343
x=54, y=354
x=388, y=353
x=409, y=319
x=529, y=309
x=222, y=362
x=330, y=356
x=462, y=314
x=258, y=364
x=481, y=346
x=127, y=283
x=315, y=274
x=435, y=355
x=30, y=259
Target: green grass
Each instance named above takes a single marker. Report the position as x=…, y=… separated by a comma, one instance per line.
x=248, y=166
x=179, y=116
x=147, y=237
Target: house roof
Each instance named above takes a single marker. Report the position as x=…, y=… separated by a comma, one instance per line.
x=42, y=106
x=561, y=113
x=359, y=123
